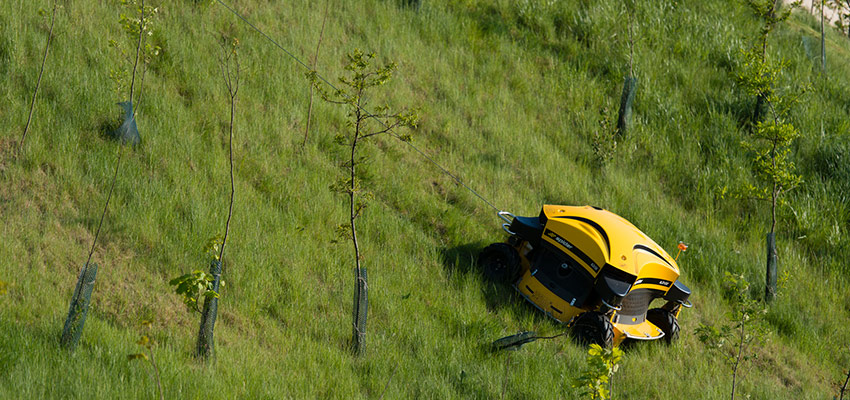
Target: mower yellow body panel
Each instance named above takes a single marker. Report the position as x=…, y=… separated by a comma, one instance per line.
x=606, y=238
x=642, y=331
x=545, y=300
x=578, y=243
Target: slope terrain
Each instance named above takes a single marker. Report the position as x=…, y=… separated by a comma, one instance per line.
x=517, y=98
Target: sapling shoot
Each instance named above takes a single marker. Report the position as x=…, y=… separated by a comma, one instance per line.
x=199, y=284
x=147, y=343
x=361, y=76
x=734, y=340
x=596, y=382
x=229, y=65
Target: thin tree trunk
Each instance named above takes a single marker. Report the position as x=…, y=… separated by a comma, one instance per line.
x=358, y=330
x=351, y=196
x=388, y=384
x=352, y=219
x=844, y=387
x=105, y=207
x=611, y=386
x=760, y=99
x=231, y=80
x=156, y=372
x=315, y=64
x=138, y=103
x=205, y=346
x=822, y=39
x=138, y=50
x=232, y=186
x=38, y=82
x=740, y=354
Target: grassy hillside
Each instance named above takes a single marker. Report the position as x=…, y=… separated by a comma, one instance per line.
x=510, y=95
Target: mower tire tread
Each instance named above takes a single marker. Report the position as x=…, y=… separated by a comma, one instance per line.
x=666, y=321
x=593, y=327
x=499, y=262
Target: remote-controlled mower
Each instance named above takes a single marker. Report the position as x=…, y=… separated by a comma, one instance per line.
x=591, y=269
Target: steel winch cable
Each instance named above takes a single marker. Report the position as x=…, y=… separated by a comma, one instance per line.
x=369, y=114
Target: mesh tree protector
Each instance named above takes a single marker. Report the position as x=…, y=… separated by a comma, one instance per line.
x=79, y=307
x=624, y=120
x=361, y=310
x=770, y=284
x=206, y=342
x=127, y=133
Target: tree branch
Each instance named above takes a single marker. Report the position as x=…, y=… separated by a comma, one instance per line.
x=389, y=128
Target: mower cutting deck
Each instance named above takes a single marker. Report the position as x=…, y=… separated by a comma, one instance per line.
x=591, y=269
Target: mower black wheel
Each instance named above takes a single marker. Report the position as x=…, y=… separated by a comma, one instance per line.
x=593, y=327
x=499, y=262
x=666, y=321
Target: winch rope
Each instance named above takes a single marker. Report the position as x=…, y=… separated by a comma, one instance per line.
x=322, y=78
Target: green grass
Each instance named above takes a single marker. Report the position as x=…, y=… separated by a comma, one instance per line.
x=510, y=94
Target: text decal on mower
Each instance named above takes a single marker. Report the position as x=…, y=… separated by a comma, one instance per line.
x=569, y=246
x=650, y=281
x=563, y=242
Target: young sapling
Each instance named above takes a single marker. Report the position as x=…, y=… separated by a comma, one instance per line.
x=734, y=340
x=193, y=286
x=773, y=134
x=361, y=76
x=146, y=342
x=596, y=382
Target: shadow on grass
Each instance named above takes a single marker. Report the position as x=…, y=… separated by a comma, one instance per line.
x=559, y=35
x=462, y=261
x=107, y=127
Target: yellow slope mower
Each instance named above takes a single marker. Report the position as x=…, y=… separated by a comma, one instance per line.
x=591, y=269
